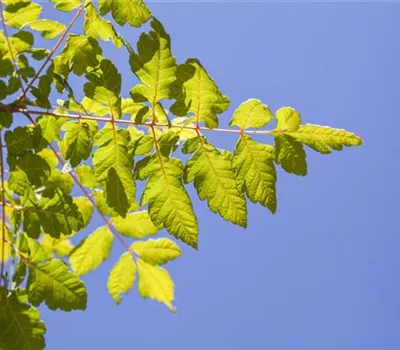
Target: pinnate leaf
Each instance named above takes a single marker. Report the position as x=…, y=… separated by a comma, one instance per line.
x=122, y=276
x=256, y=174
x=92, y=251
x=157, y=251
x=52, y=283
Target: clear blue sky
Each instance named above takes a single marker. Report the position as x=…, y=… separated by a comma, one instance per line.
x=324, y=272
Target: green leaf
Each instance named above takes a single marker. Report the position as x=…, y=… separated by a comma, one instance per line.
x=86, y=176
x=140, y=143
x=169, y=203
x=6, y=120
x=157, y=251
x=62, y=247
x=290, y=154
x=122, y=277
x=136, y=225
x=52, y=283
x=256, y=174
x=78, y=140
x=49, y=128
x=153, y=65
x=155, y=283
x=20, y=324
x=133, y=12
x=251, y=114
x=104, y=86
x=86, y=208
x=95, y=26
x=113, y=168
x=196, y=92
x=19, y=12
x=66, y=5
x=215, y=180
x=81, y=52
x=92, y=251
x=48, y=28
x=37, y=253
x=324, y=138
x=288, y=119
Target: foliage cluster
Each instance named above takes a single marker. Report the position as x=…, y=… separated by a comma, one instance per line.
x=104, y=144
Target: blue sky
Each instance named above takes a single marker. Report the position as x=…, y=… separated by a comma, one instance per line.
x=324, y=272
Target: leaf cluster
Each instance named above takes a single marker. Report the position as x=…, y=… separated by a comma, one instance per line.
x=125, y=159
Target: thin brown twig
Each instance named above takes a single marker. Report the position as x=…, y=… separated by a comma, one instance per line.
x=149, y=125
x=3, y=201
x=51, y=53
x=86, y=193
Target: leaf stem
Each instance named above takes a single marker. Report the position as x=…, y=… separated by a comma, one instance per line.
x=51, y=53
x=149, y=125
x=3, y=217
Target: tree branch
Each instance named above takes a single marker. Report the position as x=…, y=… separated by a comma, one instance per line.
x=3, y=201
x=51, y=53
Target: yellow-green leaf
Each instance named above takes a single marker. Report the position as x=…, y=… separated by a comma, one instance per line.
x=157, y=251
x=155, y=283
x=256, y=174
x=133, y=12
x=324, y=138
x=92, y=251
x=251, y=114
x=136, y=225
x=197, y=93
x=215, y=180
x=122, y=277
x=288, y=119
x=19, y=12
x=48, y=28
x=290, y=154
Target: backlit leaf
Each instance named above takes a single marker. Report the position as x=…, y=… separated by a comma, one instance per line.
x=251, y=114
x=136, y=225
x=157, y=251
x=133, y=12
